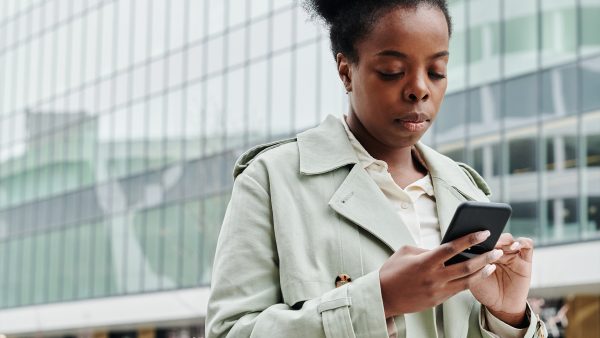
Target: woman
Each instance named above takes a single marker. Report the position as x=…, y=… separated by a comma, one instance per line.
x=335, y=233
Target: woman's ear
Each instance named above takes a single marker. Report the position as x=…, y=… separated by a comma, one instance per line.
x=344, y=71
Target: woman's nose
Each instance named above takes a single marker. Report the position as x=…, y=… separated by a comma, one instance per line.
x=416, y=90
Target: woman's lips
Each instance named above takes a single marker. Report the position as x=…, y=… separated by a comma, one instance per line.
x=412, y=126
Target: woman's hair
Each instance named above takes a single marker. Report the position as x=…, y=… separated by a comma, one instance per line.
x=351, y=20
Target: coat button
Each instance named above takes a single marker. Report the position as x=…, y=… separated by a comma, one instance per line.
x=342, y=279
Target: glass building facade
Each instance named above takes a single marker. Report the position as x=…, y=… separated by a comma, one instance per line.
x=119, y=126
x=523, y=108
x=120, y=121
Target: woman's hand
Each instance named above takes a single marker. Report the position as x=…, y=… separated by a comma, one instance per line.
x=414, y=279
x=504, y=294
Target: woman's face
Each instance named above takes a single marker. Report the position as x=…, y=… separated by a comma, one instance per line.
x=399, y=80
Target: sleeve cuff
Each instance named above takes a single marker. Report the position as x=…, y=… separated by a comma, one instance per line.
x=495, y=327
x=367, y=313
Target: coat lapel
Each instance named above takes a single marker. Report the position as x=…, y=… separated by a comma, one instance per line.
x=358, y=198
x=447, y=199
x=361, y=201
x=450, y=184
x=452, y=187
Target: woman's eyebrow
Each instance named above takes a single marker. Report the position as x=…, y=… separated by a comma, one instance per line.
x=400, y=55
x=440, y=54
x=394, y=53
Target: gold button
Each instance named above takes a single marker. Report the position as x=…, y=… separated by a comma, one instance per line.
x=342, y=279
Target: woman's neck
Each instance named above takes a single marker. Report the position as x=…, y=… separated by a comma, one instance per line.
x=398, y=159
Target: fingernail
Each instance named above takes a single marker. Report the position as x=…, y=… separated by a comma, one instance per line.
x=483, y=235
x=495, y=254
x=489, y=269
x=515, y=246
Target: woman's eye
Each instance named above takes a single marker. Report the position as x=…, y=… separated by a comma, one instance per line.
x=390, y=76
x=437, y=76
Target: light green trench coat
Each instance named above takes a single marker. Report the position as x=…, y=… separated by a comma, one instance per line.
x=301, y=213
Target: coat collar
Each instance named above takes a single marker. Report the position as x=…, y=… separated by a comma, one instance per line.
x=326, y=148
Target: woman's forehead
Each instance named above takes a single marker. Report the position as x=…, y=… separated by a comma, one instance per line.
x=421, y=30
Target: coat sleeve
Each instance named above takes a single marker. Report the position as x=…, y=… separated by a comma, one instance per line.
x=535, y=329
x=246, y=298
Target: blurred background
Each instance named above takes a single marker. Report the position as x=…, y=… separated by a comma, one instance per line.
x=120, y=121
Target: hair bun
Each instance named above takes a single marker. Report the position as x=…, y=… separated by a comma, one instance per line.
x=329, y=10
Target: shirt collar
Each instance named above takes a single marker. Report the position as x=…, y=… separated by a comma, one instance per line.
x=363, y=155
x=424, y=184
x=366, y=160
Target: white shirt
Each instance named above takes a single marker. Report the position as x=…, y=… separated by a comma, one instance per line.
x=416, y=205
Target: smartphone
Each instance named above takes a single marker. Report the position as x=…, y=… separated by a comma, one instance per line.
x=474, y=216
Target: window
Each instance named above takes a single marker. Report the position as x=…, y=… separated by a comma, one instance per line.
x=213, y=211
x=217, y=16
x=559, y=91
x=305, y=28
x=594, y=214
x=177, y=21
x=451, y=119
x=159, y=27
x=237, y=45
x=84, y=260
x=559, y=31
x=26, y=278
x=4, y=244
x=306, y=72
x=484, y=109
x=477, y=162
x=125, y=35
x=197, y=15
x=235, y=108
x=523, y=221
x=40, y=269
x=590, y=26
x=69, y=280
x=280, y=118
x=520, y=100
x=282, y=35
x=484, y=41
x=520, y=37
x=171, y=247
x=522, y=155
x=593, y=150
x=102, y=260
x=259, y=37
x=562, y=217
x=54, y=257
x=590, y=74
x=457, y=155
x=13, y=276
x=191, y=247
x=257, y=102
x=561, y=152
x=497, y=159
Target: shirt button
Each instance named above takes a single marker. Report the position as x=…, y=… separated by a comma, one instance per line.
x=404, y=205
